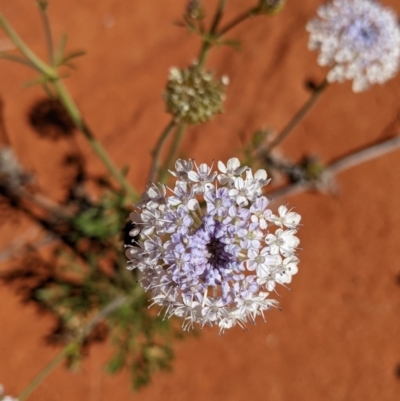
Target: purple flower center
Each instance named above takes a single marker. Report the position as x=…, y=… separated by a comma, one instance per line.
x=218, y=257
x=211, y=253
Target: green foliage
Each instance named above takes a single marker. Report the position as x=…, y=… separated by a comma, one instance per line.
x=104, y=219
x=142, y=342
x=88, y=279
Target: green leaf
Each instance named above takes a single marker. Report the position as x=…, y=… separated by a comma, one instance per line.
x=37, y=81
x=59, y=54
x=231, y=43
x=125, y=170
x=17, y=59
x=72, y=55
x=116, y=363
x=259, y=137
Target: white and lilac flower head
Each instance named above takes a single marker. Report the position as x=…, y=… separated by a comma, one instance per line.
x=358, y=39
x=210, y=251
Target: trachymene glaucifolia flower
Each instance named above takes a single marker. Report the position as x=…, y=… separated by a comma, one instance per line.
x=210, y=250
x=358, y=39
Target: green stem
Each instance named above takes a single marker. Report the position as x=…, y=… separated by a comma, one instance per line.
x=218, y=16
x=43, y=374
x=77, y=118
x=299, y=115
x=236, y=21
x=156, y=153
x=47, y=31
x=207, y=43
x=172, y=152
x=52, y=74
x=20, y=44
x=19, y=60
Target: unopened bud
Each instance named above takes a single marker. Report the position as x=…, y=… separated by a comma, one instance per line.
x=193, y=95
x=42, y=4
x=270, y=6
x=195, y=10
x=313, y=168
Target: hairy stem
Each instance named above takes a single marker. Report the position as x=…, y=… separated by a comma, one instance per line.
x=299, y=115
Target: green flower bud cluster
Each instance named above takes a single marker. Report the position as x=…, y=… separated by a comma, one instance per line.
x=193, y=95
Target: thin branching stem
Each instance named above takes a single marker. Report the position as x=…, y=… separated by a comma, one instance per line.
x=173, y=150
x=47, y=31
x=237, y=20
x=26, y=51
x=207, y=43
x=298, y=117
x=19, y=60
x=52, y=75
x=364, y=155
x=218, y=16
x=77, y=118
x=42, y=375
x=156, y=153
x=344, y=163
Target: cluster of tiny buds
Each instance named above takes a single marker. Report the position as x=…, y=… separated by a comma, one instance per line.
x=209, y=250
x=193, y=95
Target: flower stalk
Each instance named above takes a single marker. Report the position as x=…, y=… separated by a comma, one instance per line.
x=52, y=75
x=172, y=152
x=298, y=117
x=78, y=120
x=213, y=30
x=156, y=153
x=239, y=19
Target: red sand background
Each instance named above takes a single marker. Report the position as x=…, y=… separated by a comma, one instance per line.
x=338, y=337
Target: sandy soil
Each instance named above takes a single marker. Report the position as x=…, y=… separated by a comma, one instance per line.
x=337, y=337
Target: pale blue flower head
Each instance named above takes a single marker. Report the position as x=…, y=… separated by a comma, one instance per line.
x=210, y=249
x=358, y=39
